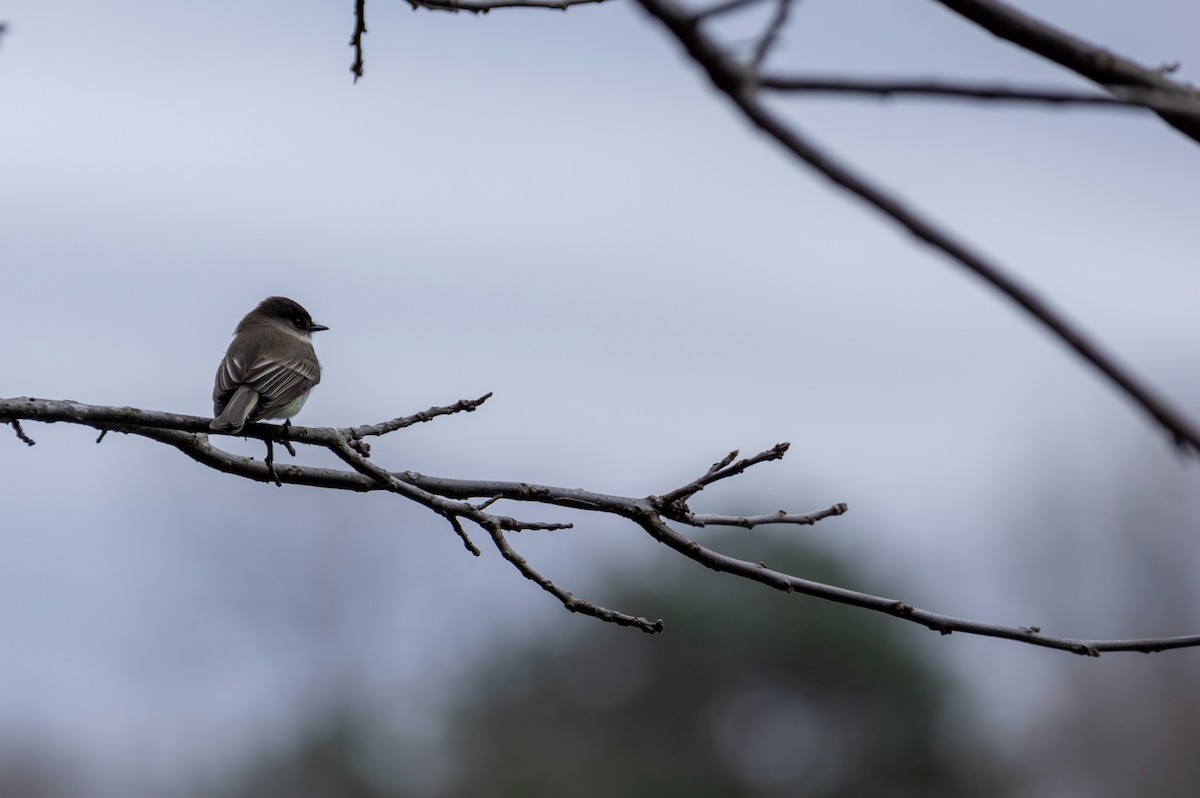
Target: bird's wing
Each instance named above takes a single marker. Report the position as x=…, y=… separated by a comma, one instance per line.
x=278, y=382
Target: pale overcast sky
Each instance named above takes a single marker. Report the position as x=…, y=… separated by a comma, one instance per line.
x=557, y=208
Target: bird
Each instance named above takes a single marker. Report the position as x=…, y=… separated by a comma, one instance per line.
x=270, y=367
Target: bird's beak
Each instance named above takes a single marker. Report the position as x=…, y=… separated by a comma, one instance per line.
x=312, y=328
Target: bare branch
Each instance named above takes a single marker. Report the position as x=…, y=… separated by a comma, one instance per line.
x=943, y=624
x=462, y=533
x=1080, y=56
x=721, y=9
x=734, y=81
x=21, y=436
x=484, y=6
x=450, y=498
x=751, y=521
x=569, y=601
x=360, y=29
x=722, y=470
x=1185, y=104
x=770, y=36
x=513, y=525
x=461, y=406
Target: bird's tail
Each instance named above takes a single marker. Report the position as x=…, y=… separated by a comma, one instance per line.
x=237, y=411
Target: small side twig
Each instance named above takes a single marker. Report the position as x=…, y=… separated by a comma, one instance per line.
x=484, y=6
x=721, y=9
x=1098, y=64
x=486, y=504
x=1118, y=98
x=569, y=601
x=770, y=37
x=751, y=521
x=21, y=436
x=513, y=525
x=462, y=533
x=722, y=469
x=461, y=406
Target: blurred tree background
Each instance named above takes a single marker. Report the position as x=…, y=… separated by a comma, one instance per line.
x=504, y=206
x=749, y=692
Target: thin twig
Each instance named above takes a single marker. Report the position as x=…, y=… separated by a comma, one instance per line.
x=484, y=505
x=383, y=428
x=451, y=499
x=721, y=9
x=1120, y=98
x=484, y=6
x=770, y=36
x=1096, y=63
x=724, y=461
x=462, y=534
x=513, y=525
x=751, y=521
x=569, y=601
x=722, y=470
x=360, y=29
x=21, y=436
x=943, y=624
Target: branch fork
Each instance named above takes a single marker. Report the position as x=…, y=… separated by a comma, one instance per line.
x=472, y=502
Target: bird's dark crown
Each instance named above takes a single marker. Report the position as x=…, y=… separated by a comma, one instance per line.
x=282, y=308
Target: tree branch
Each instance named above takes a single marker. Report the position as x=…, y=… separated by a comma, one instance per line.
x=454, y=6
x=1076, y=54
x=739, y=85
x=1118, y=97
x=751, y=521
x=360, y=29
x=451, y=499
x=770, y=36
x=484, y=6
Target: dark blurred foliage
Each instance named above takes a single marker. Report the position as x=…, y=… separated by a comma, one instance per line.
x=1125, y=565
x=29, y=771
x=749, y=692
x=324, y=761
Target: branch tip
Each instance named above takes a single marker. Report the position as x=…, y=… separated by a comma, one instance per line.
x=21, y=436
x=569, y=601
x=724, y=461
x=462, y=534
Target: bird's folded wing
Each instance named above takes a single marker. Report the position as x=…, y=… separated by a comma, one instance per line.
x=277, y=382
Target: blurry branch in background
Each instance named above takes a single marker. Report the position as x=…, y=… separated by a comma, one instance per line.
x=484, y=6
x=459, y=500
x=1101, y=66
x=360, y=30
x=1118, y=98
x=1127, y=83
x=742, y=83
x=470, y=6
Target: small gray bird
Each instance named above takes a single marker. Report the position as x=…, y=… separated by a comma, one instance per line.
x=269, y=368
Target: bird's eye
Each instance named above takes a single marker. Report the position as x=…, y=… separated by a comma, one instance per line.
x=299, y=322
